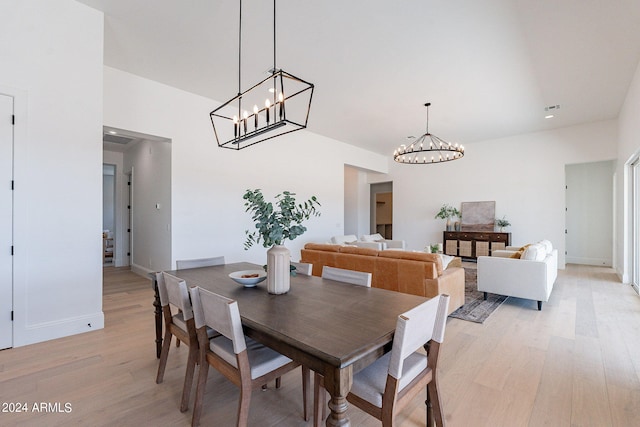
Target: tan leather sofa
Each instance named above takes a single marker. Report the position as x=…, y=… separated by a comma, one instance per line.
x=417, y=273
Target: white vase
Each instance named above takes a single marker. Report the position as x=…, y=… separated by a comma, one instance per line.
x=278, y=270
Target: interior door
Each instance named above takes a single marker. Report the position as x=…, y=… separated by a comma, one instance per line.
x=6, y=221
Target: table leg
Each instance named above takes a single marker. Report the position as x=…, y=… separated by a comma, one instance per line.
x=158, y=318
x=338, y=383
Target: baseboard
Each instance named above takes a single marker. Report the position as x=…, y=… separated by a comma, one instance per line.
x=141, y=271
x=588, y=261
x=57, y=329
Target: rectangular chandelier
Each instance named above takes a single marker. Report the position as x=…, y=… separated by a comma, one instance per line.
x=277, y=105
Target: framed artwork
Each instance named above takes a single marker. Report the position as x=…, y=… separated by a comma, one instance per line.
x=478, y=216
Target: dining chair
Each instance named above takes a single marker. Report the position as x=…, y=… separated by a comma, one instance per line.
x=243, y=361
x=183, y=264
x=390, y=383
x=173, y=292
x=353, y=277
x=303, y=268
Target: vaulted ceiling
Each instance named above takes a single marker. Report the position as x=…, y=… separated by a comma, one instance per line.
x=488, y=67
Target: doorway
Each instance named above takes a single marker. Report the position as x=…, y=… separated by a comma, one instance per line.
x=6, y=221
x=109, y=214
x=382, y=209
x=589, y=213
x=635, y=223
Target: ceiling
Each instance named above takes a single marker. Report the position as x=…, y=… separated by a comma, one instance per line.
x=489, y=68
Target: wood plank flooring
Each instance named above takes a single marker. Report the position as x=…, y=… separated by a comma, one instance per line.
x=575, y=363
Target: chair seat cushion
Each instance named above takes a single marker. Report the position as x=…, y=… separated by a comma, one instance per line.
x=369, y=383
x=261, y=358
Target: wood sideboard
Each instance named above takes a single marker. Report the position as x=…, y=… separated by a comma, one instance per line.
x=472, y=244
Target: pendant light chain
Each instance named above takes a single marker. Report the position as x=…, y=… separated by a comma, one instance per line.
x=274, y=36
x=240, y=50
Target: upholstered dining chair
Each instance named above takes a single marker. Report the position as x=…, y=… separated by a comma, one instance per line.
x=303, y=268
x=184, y=264
x=352, y=277
x=360, y=278
x=387, y=385
x=173, y=292
x=240, y=359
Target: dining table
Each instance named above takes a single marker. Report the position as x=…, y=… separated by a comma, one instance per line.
x=333, y=328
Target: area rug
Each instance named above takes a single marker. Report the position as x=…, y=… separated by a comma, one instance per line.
x=475, y=308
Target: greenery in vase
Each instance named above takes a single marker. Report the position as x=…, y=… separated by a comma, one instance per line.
x=502, y=222
x=434, y=248
x=279, y=222
x=447, y=211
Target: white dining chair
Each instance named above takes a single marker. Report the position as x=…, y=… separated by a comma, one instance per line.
x=303, y=268
x=352, y=277
x=240, y=359
x=184, y=264
x=173, y=292
x=391, y=382
x=360, y=278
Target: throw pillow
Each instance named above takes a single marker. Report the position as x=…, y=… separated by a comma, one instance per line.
x=517, y=254
x=535, y=252
x=341, y=240
x=548, y=247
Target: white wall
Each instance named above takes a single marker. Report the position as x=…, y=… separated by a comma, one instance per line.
x=523, y=174
x=51, y=56
x=356, y=195
x=628, y=146
x=207, y=182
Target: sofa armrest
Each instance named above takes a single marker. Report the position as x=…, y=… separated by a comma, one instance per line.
x=516, y=277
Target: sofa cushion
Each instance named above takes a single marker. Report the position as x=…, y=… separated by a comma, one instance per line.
x=415, y=256
x=535, y=252
x=341, y=240
x=372, y=238
x=323, y=247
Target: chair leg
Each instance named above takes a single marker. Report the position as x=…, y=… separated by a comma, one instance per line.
x=433, y=397
x=188, y=378
x=203, y=372
x=243, y=408
x=306, y=378
x=278, y=382
x=319, y=400
x=485, y=296
x=164, y=355
x=539, y=305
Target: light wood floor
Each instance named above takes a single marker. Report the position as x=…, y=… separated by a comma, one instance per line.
x=575, y=363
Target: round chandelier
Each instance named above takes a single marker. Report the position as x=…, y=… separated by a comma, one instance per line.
x=428, y=148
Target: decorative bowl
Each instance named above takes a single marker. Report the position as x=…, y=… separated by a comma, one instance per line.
x=248, y=278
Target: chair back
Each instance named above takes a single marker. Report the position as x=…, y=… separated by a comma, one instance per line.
x=173, y=290
x=303, y=268
x=415, y=328
x=219, y=313
x=359, y=278
x=184, y=264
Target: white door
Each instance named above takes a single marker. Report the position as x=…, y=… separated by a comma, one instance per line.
x=6, y=221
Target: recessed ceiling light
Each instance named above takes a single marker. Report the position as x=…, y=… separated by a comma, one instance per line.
x=549, y=116
x=113, y=132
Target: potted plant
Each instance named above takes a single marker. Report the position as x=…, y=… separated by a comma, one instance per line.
x=274, y=225
x=447, y=212
x=502, y=223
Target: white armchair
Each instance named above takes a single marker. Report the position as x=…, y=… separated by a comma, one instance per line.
x=372, y=241
x=530, y=277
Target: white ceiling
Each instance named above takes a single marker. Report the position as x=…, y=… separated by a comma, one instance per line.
x=488, y=67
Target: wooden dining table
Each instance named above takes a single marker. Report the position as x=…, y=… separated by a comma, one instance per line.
x=333, y=328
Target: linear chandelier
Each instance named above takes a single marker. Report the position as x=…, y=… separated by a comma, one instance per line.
x=428, y=148
x=259, y=113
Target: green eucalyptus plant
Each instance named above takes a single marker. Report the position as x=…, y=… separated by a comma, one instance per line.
x=275, y=224
x=502, y=222
x=447, y=211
